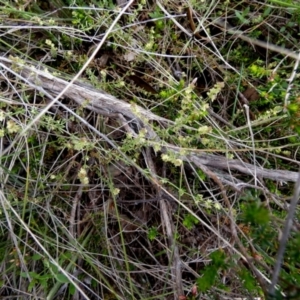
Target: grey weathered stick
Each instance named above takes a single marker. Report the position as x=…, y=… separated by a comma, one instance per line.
x=220, y=162
x=84, y=95
x=106, y=104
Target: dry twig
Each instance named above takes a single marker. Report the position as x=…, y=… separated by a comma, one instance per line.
x=108, y=105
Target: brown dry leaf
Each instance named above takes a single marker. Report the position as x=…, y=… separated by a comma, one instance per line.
x=251, y=94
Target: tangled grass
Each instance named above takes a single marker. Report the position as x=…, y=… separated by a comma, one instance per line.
x=149, y=150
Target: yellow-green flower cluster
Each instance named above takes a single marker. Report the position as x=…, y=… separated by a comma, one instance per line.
x=82, y=176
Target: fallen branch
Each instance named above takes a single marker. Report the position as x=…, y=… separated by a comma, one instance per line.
x=108, y=105
x=83, y=94
x=220, y=162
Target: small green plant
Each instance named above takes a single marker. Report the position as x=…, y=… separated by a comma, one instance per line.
x=255, y=213
x=190, y=221
x=249, y=282
x=241, y=16
x=152, y=233
x=159, y=23
x=211, y=271
x=294, y=111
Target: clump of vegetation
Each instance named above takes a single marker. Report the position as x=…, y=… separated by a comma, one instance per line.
x=149, y=149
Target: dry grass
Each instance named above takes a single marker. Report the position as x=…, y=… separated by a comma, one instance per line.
x=148, y=152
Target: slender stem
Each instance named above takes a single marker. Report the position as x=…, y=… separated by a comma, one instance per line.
x=285, y=236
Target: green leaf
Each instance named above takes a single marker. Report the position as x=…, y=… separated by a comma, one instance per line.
x=72, y=289
x=62, y=278
x=44, y=283
x=36, y=257
x=241, y=17
x=267, y=11
x=45, y=277
x=65, y=256
x=24, y=274
x=31, y=285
